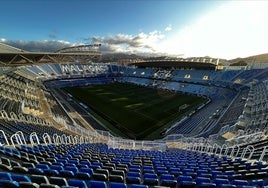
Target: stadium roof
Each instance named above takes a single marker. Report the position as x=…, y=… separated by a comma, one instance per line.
x=11, y=56
x=167, y=64
x=4, y=48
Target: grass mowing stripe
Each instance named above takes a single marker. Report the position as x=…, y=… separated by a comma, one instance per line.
x=135, y=109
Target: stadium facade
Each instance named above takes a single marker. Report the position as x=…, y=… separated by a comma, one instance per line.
x=44, y=133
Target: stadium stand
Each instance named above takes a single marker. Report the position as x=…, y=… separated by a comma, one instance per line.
x=49, y=140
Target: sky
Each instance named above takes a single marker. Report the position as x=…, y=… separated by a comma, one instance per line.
x=183, y=28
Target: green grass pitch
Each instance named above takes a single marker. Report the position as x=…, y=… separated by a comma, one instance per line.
x=133, y=111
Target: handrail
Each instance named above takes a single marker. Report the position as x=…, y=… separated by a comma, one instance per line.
x=76, y=139
x=57, y=139
x=33, y=136
x=63, y=139
x=233, y=151
x=70, y=139
x=265, y=149
x=4, y=134
x=222, y=147
x=249, y=148
x=22, y=137
x=47, y=137
x=215, y=146
x=18, y=139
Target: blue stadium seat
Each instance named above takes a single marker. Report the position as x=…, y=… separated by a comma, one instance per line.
x=56, y=167
x=77, y=183
x=239, y=182
x=117, y=185
x=42, y=166
x=18, y=178
x=228, y=186
x=97, y=184
x=200, y=180
x=184, y=178
x=187, y=184
x=71, y=168
x=257, y=182
x=66, y=174
x=5, y=176
x=138, y=186
x=167, y=180
x=207, y=185
x=36, y=171
x=87, y=170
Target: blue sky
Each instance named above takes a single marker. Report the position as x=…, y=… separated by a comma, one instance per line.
x=225, y=29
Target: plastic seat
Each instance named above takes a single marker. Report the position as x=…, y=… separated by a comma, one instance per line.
x=56, y=167
x=207, y=185
x=4, y=183
x=138, y=186
x=187, y=184
x=42, y=166
x=5, y=176
x=102, y=171
x=83, y=175
x=200, y=180
x=150, y=181
x=5, y=167
x=257, y=182
x=133, y=180
x=117, y=185
x=99, y=177
x=220, y=181
x=44, y=185
x=36, y=171
x=184, y=178
x=20, y=170
x=66, y=174
x=28, y=185
x=167, y=180
x=134, y=174
x=28, y=164
x=116, y=178
x=87, y=170
x=19, y=178
x=159, y=172
x=150, y=175
x=97, y=184
x=5, y=161
x=118, y=172
x=239, y=182
x=60, y=181
x=77, y=183
x=71, y=168
x=39, y=179
x=227, y=186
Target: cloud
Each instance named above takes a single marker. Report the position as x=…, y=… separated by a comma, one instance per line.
x=2, y=40
x=140, y=43
x=168, y=28
x=38, y=46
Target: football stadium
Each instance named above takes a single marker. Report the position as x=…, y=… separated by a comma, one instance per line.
x=67, y=120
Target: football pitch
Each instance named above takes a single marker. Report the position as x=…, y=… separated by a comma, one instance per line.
x=133, y=111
